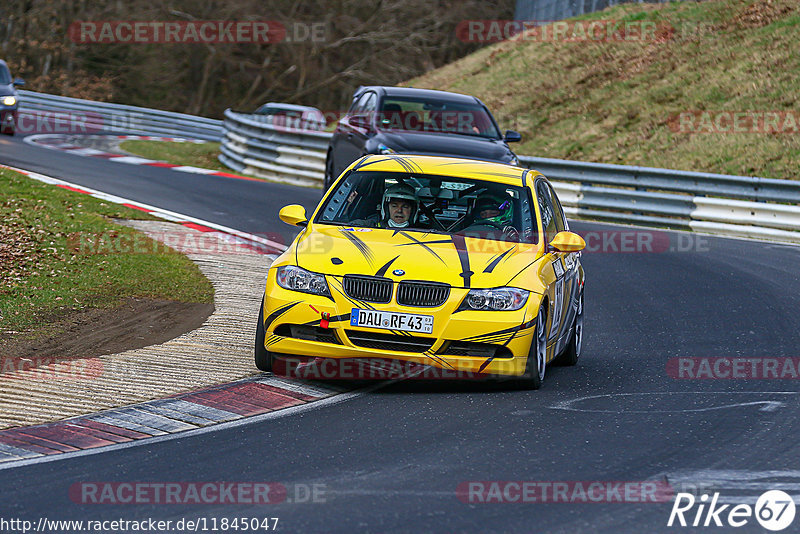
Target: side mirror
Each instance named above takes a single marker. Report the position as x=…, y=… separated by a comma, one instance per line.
x=512, y=137
x=568, y=242
x=18, y=81
x=294, y=214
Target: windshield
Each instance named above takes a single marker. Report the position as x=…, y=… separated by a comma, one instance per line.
x=5, y=75
x=441, y=116
x=426, y=203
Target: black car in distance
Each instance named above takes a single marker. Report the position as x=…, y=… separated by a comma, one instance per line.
x=9, y=102
x=405, y=120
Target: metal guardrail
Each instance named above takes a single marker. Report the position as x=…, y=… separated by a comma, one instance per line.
x=741, y=206
x=738, y=206
x=254, y=146
x=103, y=117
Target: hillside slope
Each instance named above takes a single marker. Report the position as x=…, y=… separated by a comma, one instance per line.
x=667, y=100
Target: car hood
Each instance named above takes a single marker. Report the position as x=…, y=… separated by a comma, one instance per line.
x=400, y=255
x=6, y=90
x=448, y=145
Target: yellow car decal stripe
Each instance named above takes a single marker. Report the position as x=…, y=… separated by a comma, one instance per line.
x=438, y=359
x=359, y=244
x=523, y=326
x=271, y=340
x=461, y=247
x=513, y=334
x=490, y=267
x=382, y=270
x=277, y=313
x=423, y=244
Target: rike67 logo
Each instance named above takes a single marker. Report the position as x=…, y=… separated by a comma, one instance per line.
x=774, y=510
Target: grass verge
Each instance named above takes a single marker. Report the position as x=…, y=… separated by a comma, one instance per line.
x=618, y=101
x=202, y=155
x=43, y=276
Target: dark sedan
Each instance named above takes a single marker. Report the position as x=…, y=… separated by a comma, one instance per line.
x=9, y=101
x=404, y=120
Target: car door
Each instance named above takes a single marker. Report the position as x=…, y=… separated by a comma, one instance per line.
x=342, y=148
x=362, y=124
x=552, y=223
x=353, y=131
x=571, y=262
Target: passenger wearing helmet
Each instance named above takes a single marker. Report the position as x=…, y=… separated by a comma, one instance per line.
x=493, y=216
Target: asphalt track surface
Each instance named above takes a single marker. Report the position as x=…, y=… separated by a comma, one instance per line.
x=392, y=459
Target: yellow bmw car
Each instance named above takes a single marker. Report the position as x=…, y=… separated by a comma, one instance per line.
x=432, y=266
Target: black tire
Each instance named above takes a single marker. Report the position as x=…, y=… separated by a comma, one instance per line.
x=537, y=357
x=573, y=349
x=263, y=357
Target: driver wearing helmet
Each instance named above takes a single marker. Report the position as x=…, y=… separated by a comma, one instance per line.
x=399, y=208
x=493, y=214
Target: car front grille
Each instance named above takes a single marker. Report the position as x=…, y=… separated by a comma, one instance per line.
x=368, y=288
x=426, y=294
x=375, y=340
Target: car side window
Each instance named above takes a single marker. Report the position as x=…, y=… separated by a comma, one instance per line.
x=561, y=220
x=547, y=211
x=371, y=103
x=358, y=107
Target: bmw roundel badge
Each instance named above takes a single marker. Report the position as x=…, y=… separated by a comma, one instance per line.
x=398, y=272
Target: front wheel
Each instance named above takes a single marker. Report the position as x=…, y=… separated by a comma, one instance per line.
x=537, y=357
x=263, y=357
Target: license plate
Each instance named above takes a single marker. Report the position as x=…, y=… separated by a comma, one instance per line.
x=407, y=322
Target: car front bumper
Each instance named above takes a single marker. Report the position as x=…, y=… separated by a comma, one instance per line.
x=463, y=344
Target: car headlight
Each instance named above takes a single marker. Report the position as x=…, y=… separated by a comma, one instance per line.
x=298, y=279
x=9, y=100
x=383, y=149
x=500, y=299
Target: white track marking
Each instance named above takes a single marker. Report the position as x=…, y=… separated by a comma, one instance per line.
x=768, y=405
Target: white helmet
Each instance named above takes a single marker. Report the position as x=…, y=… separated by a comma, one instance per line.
x=400, y=192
